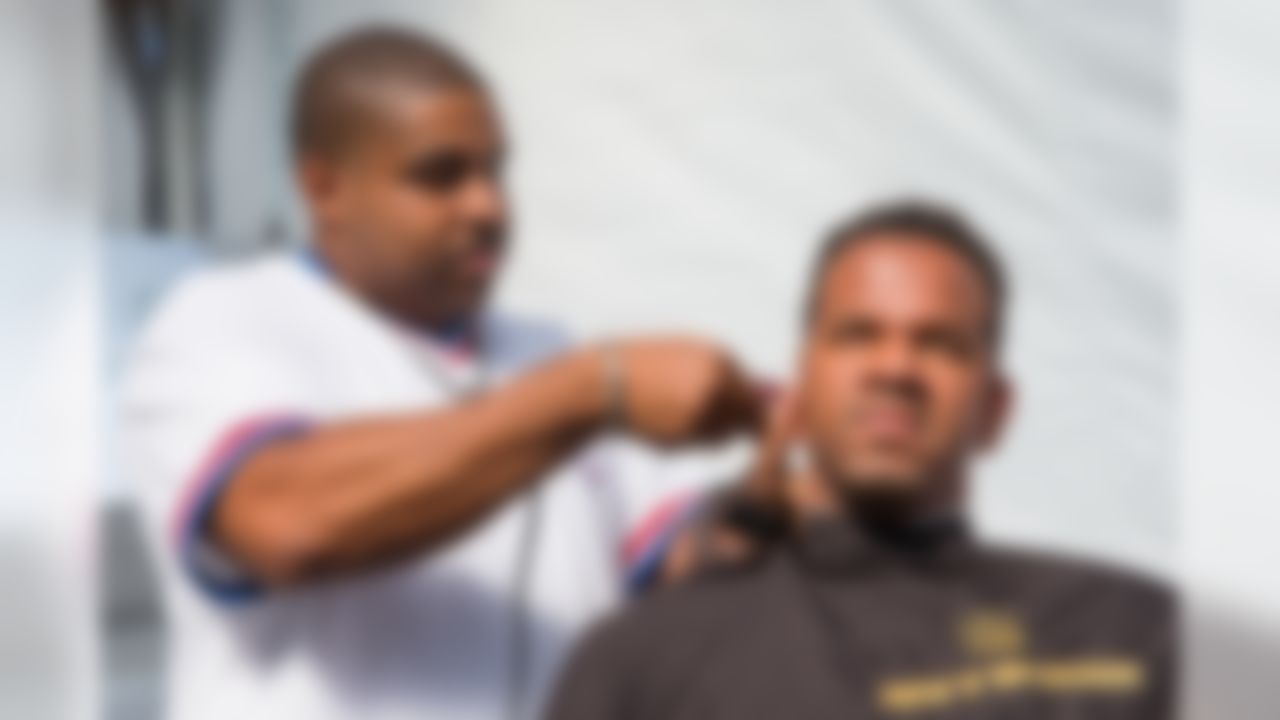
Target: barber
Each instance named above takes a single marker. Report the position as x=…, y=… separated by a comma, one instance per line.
x=368, y=494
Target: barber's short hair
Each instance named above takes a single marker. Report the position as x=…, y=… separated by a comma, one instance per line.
x=330, y=97
x=922, y=220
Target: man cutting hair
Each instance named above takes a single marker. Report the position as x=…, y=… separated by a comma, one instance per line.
x=368, y=495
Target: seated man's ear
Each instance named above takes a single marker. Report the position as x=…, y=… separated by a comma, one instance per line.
x=998, y=408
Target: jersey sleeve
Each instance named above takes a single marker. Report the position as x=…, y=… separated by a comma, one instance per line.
x=203, y=394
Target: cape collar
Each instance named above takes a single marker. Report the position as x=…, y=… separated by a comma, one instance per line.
x=842, y=544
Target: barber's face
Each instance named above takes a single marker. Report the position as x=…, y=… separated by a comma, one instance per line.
x=416, y=204
x=898, y=384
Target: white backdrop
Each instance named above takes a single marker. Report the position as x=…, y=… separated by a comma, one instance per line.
x=676, y=161
x=1230, y=375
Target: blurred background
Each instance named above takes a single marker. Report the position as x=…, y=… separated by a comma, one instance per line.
x=675, y=163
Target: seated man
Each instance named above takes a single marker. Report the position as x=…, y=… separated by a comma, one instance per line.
x=874, y=600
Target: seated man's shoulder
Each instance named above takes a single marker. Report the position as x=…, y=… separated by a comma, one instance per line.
x=673, y=620
x=1084, y=582
x=638, y=656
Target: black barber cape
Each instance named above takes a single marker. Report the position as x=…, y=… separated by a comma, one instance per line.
x=844, y=623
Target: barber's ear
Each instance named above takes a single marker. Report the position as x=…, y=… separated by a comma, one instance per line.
x=317, y=180
x=998, y=408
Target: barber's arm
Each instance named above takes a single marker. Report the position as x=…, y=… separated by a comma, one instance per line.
x=356, y=495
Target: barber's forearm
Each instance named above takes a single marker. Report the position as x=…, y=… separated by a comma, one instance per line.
x=358, y=495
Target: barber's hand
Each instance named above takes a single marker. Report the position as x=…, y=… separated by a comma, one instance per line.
x=677, y=390
x=767, y=481
x=782, y=479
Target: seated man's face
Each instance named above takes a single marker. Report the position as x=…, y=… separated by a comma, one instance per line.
x=898, y=384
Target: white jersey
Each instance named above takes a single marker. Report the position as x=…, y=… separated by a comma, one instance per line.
x=242, y=356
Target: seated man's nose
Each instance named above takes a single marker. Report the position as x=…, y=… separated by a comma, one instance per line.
x=483, y=199
x=896, y=359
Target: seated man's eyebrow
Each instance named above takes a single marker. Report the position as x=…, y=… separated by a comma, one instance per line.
x=439, y=169
x=856, y=327
x=946, y=337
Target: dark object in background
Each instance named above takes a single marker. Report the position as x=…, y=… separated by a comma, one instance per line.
x=168, y=50
x=131, y=618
